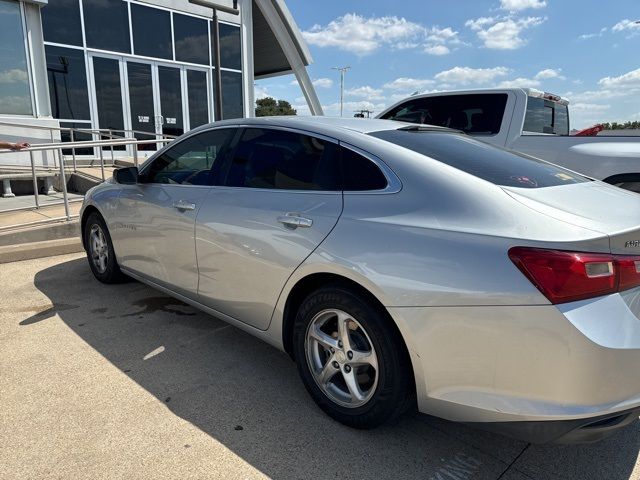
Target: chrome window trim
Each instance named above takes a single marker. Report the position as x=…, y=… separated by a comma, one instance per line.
x=394, y=185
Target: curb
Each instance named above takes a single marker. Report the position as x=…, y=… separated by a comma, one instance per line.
x=47, y=248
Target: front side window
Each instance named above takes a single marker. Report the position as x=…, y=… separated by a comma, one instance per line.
x=67, y=83
x=493, y=164
x=277, y=159
x=474, y=113
x=15, y=94
x=193, y=161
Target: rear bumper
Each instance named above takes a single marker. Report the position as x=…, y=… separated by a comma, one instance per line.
x=528, y=366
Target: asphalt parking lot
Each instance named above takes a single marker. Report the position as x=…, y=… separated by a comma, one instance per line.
x=121, y=381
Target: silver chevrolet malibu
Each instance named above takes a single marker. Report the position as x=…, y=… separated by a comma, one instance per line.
x=401, y=266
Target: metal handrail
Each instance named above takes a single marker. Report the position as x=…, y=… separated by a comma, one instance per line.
x=58, y=147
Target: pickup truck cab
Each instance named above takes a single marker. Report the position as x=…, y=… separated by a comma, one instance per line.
x=528, y=121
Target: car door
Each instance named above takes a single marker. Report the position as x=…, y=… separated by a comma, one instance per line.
x=155, y=218
x=280, y=199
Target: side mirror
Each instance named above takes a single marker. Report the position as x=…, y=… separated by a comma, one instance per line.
x=126, y=176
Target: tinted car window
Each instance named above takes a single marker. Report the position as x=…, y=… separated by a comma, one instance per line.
x=479, y=114
x=545, y=116
x=360, y=173
x=194, y=161
x=277, y=159
x=490, y=163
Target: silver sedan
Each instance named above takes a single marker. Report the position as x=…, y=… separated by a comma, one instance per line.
x=401, y=266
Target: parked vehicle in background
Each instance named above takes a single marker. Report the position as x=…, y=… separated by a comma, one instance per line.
x=527, y=121
x=399, y=265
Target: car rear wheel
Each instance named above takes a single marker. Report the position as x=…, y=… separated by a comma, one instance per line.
x=351, y=361
x=100, y=252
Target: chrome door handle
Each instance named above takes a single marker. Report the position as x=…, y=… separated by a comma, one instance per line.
x=182, y=205
x=292, y=220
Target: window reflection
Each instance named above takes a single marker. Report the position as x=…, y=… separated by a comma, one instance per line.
x=61, y=22
x=197, y=91
x=191, y=39
x=230, y=51
x=106, y=25
x=15, y=96
x=151, y=32
x=67, y=83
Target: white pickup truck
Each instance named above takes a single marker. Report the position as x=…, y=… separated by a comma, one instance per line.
x=528, y=121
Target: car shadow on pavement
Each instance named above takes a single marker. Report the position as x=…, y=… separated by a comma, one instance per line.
x=247, y=395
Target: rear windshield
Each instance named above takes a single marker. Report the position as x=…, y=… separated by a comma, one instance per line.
x=545, y=116
x=496, y=165
x=480, y=114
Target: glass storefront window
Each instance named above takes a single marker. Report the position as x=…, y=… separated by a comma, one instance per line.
x=106, y=72
x=197, y=92
x=106, y=25
x=191, y=39
x=232, y=98
x=15, y=94
x=230, y=51
x=67, y=83
x=61, y=22
x=151, y=32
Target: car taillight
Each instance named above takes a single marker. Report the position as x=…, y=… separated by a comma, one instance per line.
x=569, y=276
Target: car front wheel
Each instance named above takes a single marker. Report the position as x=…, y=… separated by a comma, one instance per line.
x=100, y=252
x=351, y=361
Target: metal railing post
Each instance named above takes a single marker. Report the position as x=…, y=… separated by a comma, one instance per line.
x=65, y=196
x=35, y=179
x=135, y=155
x=53, y=154
x=101, y=163
x=111, y=138
x=73, y=152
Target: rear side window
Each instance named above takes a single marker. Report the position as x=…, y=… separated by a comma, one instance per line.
x=496, y=165
x=360, y=173
x=473, y=113
x=277, y=159
x=545, y=116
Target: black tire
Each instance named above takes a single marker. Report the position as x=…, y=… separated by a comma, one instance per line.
x=111, y=272
x=394, y=392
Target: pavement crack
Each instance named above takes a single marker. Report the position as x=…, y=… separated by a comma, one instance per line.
x=513, y=461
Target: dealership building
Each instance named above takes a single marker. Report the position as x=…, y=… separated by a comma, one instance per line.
x=153, y=66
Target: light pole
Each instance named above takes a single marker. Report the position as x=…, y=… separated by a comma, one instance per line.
x=342, y=71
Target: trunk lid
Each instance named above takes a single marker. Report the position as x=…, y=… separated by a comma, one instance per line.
x=596, y=206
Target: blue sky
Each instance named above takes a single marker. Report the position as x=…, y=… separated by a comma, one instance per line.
x=585, y=50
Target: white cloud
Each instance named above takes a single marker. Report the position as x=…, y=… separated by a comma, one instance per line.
x=630, y=79
x=503, y=33
x=260, y=92
x=15, y=75
x=437, y=49
x=549, y=73
x=322, y=83
x=515, y=5
x=413, y=84
x=357, y=34
x=520, y=82
x=625, y=25
x=365, y=92
x=589, y=107
x=470, y=76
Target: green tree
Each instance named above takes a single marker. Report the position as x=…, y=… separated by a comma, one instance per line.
x=269, y=106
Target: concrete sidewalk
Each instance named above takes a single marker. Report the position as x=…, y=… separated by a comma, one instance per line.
x=121, y=381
